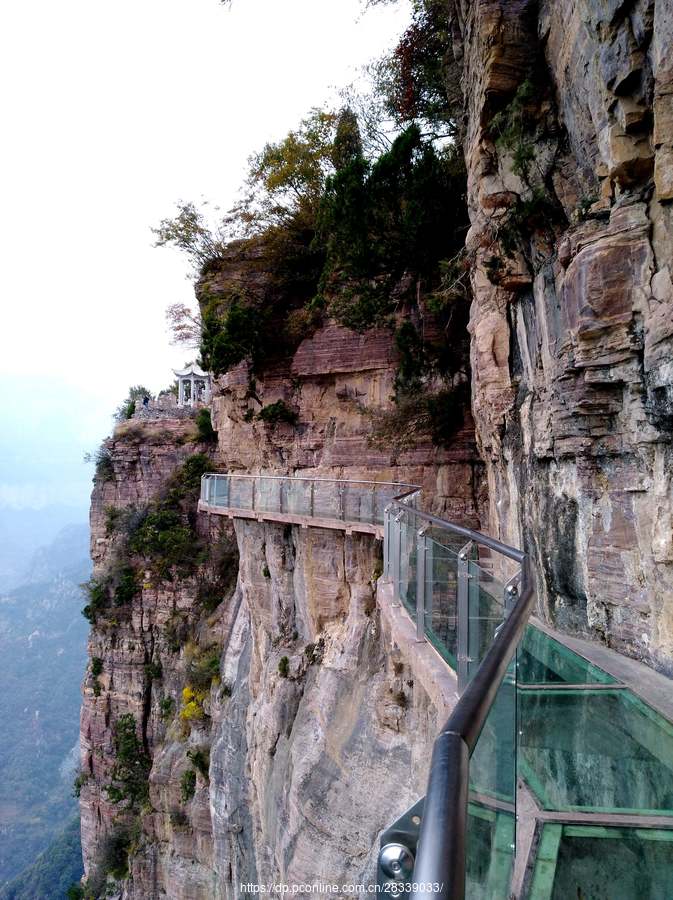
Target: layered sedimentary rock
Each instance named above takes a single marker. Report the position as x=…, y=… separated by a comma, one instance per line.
x=142, y=460
x=316, y=731
x=572, y=328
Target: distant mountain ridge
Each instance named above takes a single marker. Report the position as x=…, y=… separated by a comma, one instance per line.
x=23, y=532
x=42, y=660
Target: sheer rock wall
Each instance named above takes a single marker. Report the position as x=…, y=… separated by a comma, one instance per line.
x=572, y=331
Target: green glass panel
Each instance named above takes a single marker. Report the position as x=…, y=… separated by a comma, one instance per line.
x=490, y=837
x=407, y=538
x=603, y=863
x=543, y=660
x=486, y=613
x=600, y=750
x=441, y=599
x=492, y=808
x=493, y=762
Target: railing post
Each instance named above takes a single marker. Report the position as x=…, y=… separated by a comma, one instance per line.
x=280, y=494
x=387, y=518
x=312, y=501
x=373, y=504
x=341, y=502
x=420, y=584
x=463, y=615
x=397, y=545
x=254, y=482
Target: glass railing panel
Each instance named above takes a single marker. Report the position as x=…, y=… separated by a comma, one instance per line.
x=358, y=502
x=267, y=493
x=441, y=598
x=297, y=496
x=407, y=550
x=240, y=492
x=380, y=499
x=486, y=613
x=446, y=539
x=595, y=750
x=491, y=830
x=219, y=490
x=603, y=863
x=542, y=660
x=327, y=500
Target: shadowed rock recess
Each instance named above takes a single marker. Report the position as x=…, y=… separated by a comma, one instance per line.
x=280, y=725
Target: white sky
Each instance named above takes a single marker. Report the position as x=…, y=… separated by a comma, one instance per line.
x=110, y=113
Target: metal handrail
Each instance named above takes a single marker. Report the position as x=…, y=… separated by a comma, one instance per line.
x=310, y=478
x=441, y=852
x=470, y=535
x=440, y=859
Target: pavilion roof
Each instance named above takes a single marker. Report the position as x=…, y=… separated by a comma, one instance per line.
x=191, y=369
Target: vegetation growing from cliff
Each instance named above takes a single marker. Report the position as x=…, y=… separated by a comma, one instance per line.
x=232, y=335
x=102, y=460
x=420, y=79
x=277, y=412
x=116, y=588
x=165, y=536
x=192, y=704
x=96, y=670
x=400, y=215
x=112, y=861
x=204, y=425
x=517, y=129
x=187, y=785
x=434, y=415
x=364, y=233
x=130, y=775
x=200, y=759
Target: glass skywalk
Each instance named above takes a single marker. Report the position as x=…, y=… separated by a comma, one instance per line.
x=585, y=764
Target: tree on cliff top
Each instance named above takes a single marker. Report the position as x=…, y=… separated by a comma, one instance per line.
x=420, y=79
x=286, y=179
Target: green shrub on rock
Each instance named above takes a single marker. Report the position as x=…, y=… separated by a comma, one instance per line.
x=204, y=425
x=188, y=785
x=130, y=774
x=278, y=412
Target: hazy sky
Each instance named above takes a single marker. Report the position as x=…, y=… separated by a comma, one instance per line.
x=111, y=113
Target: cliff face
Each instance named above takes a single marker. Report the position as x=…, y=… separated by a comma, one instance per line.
x=144, y=648
x=572, y=319
x=304, y=767
x=286, y=771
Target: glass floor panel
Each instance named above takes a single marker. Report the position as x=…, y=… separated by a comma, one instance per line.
x=603, y=863
x=543, y=660
x=596, y=750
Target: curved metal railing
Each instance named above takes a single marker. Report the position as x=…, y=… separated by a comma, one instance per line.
x=471, y=596
x=442, y=844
